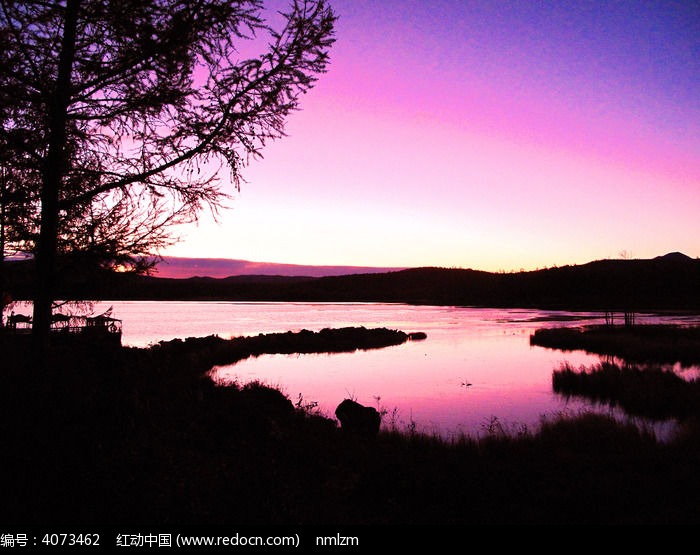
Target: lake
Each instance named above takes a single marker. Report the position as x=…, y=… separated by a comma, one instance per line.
x=475, y=372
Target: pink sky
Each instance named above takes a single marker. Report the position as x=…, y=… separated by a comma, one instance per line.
x=470, y=135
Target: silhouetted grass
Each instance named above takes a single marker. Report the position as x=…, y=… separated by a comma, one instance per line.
x=144, y=437
x=643, y=343
x=652, y=392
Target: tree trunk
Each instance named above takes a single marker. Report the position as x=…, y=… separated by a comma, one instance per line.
x=3, y=200
x=52, y=176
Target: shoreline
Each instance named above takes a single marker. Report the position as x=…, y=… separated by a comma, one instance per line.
x=145, y=438
x=640, y=343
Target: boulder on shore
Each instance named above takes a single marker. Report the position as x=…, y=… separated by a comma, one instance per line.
x=358, y=419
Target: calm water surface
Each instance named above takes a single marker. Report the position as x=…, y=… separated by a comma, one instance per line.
x=475, y=368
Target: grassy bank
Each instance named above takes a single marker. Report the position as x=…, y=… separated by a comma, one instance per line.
x=643, y=343
x=652, y=392
x=144, y=437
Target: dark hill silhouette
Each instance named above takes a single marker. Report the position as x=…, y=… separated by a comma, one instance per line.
x=674, y=257
x=666, y=282
x=179, y=267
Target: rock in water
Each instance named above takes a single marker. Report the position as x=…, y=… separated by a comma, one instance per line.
x=357, y=418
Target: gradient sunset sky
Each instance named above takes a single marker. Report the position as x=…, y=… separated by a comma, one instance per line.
x=494, y=135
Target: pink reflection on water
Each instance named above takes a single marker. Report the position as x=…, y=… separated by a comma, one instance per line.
x=456, y=381
x=421, y=385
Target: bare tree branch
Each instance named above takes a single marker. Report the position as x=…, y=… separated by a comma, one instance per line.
x=120, y=116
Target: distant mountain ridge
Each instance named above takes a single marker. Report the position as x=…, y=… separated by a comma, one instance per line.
x=219, y=268
x=668, y=282
x=182, y=267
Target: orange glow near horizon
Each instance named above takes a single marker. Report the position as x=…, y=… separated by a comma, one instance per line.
x=461, y=136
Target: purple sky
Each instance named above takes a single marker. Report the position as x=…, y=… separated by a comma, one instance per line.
x=489, y=134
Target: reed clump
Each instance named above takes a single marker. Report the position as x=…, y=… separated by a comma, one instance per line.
x=653, y=391
x=663, y=344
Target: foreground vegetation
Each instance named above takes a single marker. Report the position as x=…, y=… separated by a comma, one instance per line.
x=143, y=436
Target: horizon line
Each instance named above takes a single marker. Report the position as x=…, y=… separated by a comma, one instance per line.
x=251, y=267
